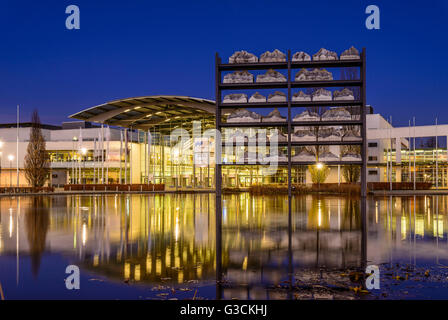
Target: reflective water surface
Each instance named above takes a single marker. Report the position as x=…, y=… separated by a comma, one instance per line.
x=164, y=246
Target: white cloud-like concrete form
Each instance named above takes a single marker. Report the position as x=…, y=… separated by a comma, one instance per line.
x=303, y=135
x=344, y=94
x=243, y=115
x=351, y=135
x=301, y=56
x=328, y=156
x=350, y=54
x=257, y=98
x=275, y=56
x=277, y=96
x=304, y=155
x=243, y=57
x=313, y=75
x=239, y=77
x=321, y=94
x=301, y=96
x=271, y=76
x=351, y=157
x=336, y=114
x=274, y=116
x=307, y=116
x=324, y=54
x=329, y=134
x=235, y=98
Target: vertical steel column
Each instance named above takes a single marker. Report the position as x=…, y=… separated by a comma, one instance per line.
x=363, y=128
x=289, y=132
x=94, y=160
x=107, y=154
x=131, y=156
x=437, y=157
x=126, y=156
x=102, y=153
x=290, y=267
x=218, y=178
x=363, y=233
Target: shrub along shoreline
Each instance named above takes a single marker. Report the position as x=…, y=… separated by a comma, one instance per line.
x=328, y=188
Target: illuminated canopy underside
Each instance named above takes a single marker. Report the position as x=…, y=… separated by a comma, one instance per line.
x=162, y=113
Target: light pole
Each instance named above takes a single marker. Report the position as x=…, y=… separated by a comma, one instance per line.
x=73, y=178
x=83, y=153
x=10, y=158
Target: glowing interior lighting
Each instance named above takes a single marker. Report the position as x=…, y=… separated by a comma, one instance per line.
x=11, y=224
x=319, y=165
x=127, y=270
x=84, y=234
x=137, y=273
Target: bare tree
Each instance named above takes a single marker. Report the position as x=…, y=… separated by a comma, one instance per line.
x=351, y=173
x=36, y=159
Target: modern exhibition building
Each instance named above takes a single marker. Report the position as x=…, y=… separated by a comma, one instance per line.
x=170, y=140
x=93, y=150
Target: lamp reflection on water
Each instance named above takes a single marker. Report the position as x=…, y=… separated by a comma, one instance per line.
x=11, y=223
x=173, y=236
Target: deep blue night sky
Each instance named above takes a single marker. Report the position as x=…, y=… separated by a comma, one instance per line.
x=135, y=48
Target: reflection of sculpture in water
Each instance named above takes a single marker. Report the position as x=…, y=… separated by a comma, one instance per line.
x=37, y=221
x=352, y=216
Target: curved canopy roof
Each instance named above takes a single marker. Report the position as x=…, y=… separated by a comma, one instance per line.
x=161, y=112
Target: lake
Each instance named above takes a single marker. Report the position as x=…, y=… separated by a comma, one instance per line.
x=164, y=247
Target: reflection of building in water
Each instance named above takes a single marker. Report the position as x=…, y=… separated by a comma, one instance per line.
x=410, y=229
x=326, y=232
x=147, y=238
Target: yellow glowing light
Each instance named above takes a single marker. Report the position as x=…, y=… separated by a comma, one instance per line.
x=168, y=258
x=11, y=223
x=244, y=267
x=137, y=273
x=84, y=234
x=96, y=259
x=176, y=230
x=10, y=157
x=83, y=151
x=158, y=267
x=127, y=270
x=319, y=165
x=403, y=228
